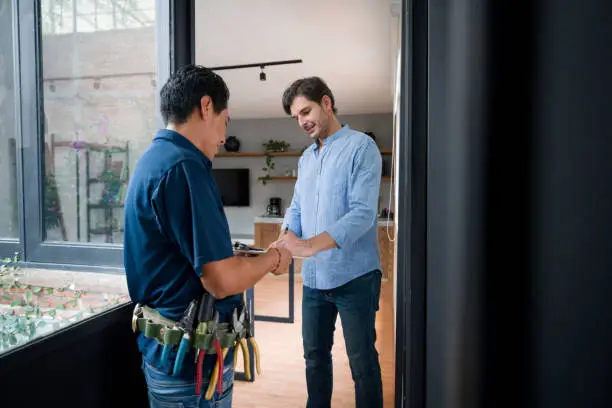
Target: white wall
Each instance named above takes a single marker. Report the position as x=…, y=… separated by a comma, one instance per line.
x=253, y=132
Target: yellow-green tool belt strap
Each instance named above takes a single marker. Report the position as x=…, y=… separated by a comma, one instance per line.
x=163, y=330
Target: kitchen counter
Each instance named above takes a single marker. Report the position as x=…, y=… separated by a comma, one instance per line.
x=382, y=222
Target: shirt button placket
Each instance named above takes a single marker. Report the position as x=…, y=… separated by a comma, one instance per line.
x=316, y=215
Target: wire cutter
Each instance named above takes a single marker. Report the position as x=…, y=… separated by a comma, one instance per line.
x=239, y=326
x=186, y=324
x=251, y=339
x=243, y=323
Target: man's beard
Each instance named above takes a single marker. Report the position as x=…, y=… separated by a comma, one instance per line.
x=323, y=130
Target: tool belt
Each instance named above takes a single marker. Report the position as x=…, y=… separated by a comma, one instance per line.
x=166, y=332
x=200, y=329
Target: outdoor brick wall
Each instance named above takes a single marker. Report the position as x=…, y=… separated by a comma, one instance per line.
x=97, y=109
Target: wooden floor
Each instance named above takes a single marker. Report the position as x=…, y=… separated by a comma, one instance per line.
x=283, y=383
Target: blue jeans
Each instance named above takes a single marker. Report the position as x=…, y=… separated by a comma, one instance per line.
x=166, y=391
x=357, y=303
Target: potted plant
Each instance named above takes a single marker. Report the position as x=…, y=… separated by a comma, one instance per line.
x=272, y=146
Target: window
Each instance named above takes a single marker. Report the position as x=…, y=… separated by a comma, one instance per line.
x=99, y=105
x=71, y=16
x=9, y=226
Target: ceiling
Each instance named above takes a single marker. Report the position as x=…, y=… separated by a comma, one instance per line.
x=351, y=44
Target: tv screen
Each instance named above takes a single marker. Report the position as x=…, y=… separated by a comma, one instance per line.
x=234, y=187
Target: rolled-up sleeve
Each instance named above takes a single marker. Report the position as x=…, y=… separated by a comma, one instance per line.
x=364, y=188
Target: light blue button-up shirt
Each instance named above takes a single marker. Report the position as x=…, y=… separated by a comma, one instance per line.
x=337, y=192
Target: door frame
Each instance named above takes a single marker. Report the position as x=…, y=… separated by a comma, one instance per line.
x=411, y=214
x=175, y=40
x=10, y=246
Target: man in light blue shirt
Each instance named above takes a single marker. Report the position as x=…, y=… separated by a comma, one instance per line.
x=333, y=219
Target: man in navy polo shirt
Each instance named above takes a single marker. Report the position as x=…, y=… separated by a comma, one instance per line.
x=177, y=240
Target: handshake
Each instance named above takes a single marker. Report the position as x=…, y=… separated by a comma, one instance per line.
x=286, y=247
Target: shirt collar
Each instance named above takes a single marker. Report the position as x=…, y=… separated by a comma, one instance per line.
x=181, y=141
x=331, y=138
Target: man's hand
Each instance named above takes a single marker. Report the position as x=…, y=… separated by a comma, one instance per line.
x=297, y=246
x=284, y=261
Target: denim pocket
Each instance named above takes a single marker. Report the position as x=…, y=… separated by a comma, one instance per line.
x=225, y=399
x=172, y=402
x=228, y=378
x=166, y=391
x=157, y=379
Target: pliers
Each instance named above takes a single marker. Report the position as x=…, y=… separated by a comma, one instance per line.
x=208, y=321
x=186, y=325
x=216, y=378
x=239, y=326
x=251, y=339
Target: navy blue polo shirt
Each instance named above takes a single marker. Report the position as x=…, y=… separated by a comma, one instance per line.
x=174, y=225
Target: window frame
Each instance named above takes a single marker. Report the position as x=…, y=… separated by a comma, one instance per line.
x=174, y=47
x=10, y=246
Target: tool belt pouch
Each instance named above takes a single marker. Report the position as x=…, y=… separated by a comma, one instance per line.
x=226, y=337
x=161, y=333
x=164, y=331
x=165, y=334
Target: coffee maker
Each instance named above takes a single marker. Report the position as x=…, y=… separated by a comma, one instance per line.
x=274, y=209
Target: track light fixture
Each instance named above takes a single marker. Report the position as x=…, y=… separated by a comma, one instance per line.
x=262, y=65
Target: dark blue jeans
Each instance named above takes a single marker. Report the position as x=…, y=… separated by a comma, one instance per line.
x=357, y=303
x=166, y=391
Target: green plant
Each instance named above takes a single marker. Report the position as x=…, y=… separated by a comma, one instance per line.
x=51, y=196
x=272, y=146
x=25, y=317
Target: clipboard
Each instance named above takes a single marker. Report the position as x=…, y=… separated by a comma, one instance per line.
x=240, y=248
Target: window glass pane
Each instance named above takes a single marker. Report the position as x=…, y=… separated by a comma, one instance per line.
x=86, y=22
x=105, y=21
x=9, y=227
x=99, y=105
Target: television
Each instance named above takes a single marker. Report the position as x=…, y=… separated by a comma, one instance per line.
x=234, y=187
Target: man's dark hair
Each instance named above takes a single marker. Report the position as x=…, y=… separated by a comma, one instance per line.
x=312, y=88
x=185, y=89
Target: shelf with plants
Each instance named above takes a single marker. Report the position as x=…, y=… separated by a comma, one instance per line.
x=114, y=179
x=272, y=149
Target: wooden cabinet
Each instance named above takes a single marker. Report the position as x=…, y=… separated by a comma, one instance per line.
x=266, y=233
